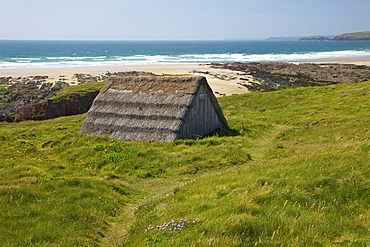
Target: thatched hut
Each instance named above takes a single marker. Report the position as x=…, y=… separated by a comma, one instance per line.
x=154, y=109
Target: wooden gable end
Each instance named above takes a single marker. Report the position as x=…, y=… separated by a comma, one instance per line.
x=204, y=115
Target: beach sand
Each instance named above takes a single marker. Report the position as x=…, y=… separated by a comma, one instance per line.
x=223, y=82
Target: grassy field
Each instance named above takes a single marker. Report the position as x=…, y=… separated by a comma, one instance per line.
x=365, y=34
x=292, y=171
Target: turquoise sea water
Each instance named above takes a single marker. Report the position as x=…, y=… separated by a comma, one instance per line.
x=24, y=55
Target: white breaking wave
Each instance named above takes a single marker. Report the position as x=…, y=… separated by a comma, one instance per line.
x=115, y=61
x=75, y=58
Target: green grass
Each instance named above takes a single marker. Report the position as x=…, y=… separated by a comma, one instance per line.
x=293, y=171
x=365, y=34
x=82, y=89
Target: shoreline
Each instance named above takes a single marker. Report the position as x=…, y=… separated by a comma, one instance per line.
x=223, y=82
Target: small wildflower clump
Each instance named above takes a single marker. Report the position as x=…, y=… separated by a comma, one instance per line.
x=149, y=202
x=173, y=225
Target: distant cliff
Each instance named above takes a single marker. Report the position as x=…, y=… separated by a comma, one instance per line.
x=320, y=38
x=353, y=36
x=359, y=36
x=283, y=38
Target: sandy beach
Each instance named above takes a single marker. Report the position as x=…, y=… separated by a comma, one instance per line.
x=223, y=82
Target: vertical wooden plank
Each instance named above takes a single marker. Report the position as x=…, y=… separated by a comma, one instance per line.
x=209, y=113
x=201, y=112
x=206, y=113
x=195, y=118
x=205, y=109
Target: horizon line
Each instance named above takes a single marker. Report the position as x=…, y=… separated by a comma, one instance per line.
x=228, y=39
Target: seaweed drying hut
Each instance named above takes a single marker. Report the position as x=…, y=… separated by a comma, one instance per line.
x=154, y=109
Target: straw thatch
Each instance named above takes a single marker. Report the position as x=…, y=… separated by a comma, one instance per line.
x=164, y=109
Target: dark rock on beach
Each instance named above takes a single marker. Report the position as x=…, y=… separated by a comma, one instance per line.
x=86, y=78
x=275, y=76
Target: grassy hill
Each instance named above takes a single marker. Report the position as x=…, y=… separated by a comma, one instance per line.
x=354, y=36
x=357, y=36
x=317, y=37
x=293, y=171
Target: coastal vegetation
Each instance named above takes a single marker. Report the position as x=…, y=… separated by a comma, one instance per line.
x=317, y=37
x=354, y=36
x=292, y=171
x=358, y=36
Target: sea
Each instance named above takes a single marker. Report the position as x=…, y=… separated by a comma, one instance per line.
x=34, y=55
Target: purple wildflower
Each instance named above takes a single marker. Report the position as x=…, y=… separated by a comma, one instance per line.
x=175, y=226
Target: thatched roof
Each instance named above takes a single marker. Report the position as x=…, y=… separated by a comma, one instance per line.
x=142, y=108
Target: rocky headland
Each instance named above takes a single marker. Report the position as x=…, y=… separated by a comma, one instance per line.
x=358, y=36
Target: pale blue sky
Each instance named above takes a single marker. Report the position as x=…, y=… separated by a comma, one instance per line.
x=179, y=19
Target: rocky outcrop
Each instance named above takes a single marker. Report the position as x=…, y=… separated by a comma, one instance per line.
x=32, y=98
x=275, y=76
x=16, y=93
x=77, y=104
